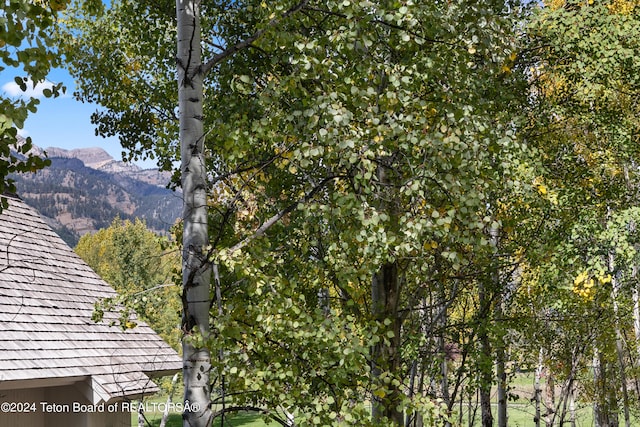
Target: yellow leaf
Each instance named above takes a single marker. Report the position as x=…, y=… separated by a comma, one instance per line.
x=130, y=324
x=380, y=393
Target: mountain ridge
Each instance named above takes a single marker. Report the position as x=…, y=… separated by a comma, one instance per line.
x=84, y=189
x=97, y=158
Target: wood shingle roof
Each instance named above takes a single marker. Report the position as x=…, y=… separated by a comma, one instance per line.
x=47, y=297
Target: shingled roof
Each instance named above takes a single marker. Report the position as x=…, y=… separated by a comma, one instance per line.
x=47, y=336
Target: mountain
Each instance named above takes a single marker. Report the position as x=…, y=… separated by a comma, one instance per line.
x=85, y=189
x=98, y=159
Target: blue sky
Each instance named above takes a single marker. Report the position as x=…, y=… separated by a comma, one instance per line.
x=62, y=122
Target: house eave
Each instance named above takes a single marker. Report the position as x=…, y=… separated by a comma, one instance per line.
x=40, y=382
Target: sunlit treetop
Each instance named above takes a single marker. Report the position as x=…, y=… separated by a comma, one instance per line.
x=621, y=7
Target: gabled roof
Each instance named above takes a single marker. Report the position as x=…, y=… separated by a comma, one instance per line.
x=47, y=336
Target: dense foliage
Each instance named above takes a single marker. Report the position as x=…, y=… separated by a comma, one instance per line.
x=140, y=266
x=407, y=200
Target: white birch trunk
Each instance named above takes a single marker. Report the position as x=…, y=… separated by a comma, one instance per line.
x=195, y=265
x=165, y=414
x=619, y=342
x=572, y=406
x=597, y=374
x=537, y=387
x=636, y=294
x=636, y=318
x=141, y=421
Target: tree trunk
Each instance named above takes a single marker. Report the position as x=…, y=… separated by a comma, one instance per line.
x=141, y=420
x=636, y=313
x=502, y=385
x=410, y=417
x=604, y=405
x=636, y=328
x=566, y=395
x=385, y=355
x=550, y=398
x=165, y=414
x=473, y=407
x=485, y=402
x=485, y=382
x=636, y=325
x=537, y=388
x=485, y=358
x=196, y=272
x=572, y=405
x=501, y=373
x=441, y=322
x=598, y=420
x=444, y=382
x=385, y=301
x=619, y=342
x=419, y=418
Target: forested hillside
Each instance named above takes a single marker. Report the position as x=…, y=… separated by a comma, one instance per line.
x=77, y=199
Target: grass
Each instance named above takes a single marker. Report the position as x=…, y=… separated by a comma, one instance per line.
x=243, y=419
x=153, y=418
x=520, y=412
x=521, y=409
x=522, y=415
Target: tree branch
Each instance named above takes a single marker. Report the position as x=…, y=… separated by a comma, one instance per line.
x=383, y=23
x=252, y=409
x=278, y=216
x=247, y=42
